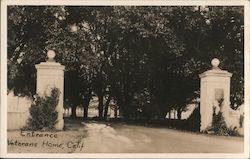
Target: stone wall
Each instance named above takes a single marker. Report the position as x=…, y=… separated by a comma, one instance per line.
x=18, y=111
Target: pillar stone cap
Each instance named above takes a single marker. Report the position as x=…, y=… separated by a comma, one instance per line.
x=215, y=71
x=50, y=63
x=51, y=55
x=215, y=63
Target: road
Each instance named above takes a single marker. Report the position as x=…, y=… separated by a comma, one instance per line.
x=120, y=138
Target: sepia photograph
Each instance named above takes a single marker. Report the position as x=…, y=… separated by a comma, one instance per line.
x=124, y=80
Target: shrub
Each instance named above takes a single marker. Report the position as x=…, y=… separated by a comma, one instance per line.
x=233, y=131
x=43, y=114
x=219, y=126
x=194, y=120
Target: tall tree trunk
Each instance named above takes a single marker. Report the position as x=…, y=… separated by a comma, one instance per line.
x=179, y=110
x=86, y=101
x=170, y=114
x=73, y=111
x=115, y=111
x=100, y=106
x=86, y=106
x=105, y=115
x=85, y=112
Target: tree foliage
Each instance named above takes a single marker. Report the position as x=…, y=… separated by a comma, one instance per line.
x=145, y=58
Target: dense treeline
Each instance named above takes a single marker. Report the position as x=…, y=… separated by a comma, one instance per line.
x=146, y=59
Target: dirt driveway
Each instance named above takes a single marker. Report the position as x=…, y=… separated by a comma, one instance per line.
x=138, y=139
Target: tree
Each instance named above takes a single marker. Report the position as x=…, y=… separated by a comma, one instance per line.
x=54, y=33
x=25, y=43
x=145, y=58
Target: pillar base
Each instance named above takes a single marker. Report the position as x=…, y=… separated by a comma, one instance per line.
x=59, y=125
x=204, y=126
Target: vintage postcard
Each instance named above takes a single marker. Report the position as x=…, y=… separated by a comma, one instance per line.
x=125, y=79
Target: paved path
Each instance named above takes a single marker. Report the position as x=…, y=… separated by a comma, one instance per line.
x=132, y=139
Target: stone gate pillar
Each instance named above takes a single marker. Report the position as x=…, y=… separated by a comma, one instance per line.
x=50, y=74
x=214, y=85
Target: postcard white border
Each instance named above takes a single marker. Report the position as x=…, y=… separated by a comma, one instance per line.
x=5, y=3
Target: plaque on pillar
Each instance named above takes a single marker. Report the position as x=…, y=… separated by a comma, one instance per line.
x=219, y=94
